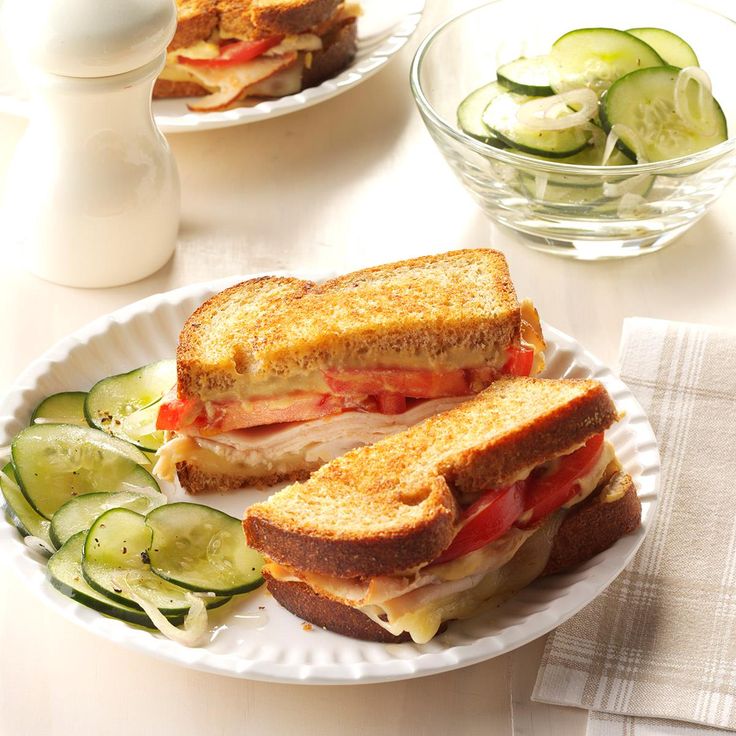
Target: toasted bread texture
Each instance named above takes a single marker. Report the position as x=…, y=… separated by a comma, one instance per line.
x=596, y=524
x=462, y=301
x=195, y=21
x=197, y=480
x=392, y=506
x=290, y=16
x=338, y=51
x=588, y=529
x=253, y=19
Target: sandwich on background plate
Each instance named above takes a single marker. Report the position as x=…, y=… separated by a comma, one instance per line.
x=389, y=542
x=276, y=376
x=226, y=50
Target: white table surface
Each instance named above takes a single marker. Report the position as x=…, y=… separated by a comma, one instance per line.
x=351, y=182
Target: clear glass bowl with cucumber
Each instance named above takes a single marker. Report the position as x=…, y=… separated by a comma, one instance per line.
x=597, y=130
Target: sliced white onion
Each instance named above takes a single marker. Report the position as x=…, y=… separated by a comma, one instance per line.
x=611, y=141
x=705, y=95
x=625, y=186
x=540, y=185
x=629, y=203
x=553, y=113
x=38, y=545
x=195, y=628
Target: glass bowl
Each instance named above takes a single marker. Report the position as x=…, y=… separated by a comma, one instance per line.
x=585, y=212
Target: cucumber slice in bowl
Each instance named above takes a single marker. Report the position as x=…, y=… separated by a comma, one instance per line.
x=643, y=107
x=203, y=549
x=65, y=571
x=501, y=116
x=115, y=562
x=56, y=462
x=23, y=516
x=79, y=513
x=63, y=408
x=526, y=76
x=470, y=113
x=126, y=405
x=596, y=57
x=673, y=49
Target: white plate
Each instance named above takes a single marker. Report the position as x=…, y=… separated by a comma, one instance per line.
x=269, y=643
x=384, y=27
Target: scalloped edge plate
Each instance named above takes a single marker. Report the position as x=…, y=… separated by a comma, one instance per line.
x=383, y=29
x=253, y=637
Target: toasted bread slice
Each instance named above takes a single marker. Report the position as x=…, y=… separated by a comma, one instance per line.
x=392, y=506
x=195, y=21
x=290, y=16
x=457, y=306
x=338, y=50
x=197, y=479
x=596, y=524
x=588, y=529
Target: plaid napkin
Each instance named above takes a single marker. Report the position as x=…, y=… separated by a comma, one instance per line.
x=660, y=643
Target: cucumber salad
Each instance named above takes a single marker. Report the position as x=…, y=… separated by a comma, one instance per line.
x=601, y=97
x=78, y=486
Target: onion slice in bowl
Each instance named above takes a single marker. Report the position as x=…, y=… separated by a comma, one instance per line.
x=682, y=101
x=555, y=112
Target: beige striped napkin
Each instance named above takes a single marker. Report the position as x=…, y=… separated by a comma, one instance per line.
x=659, y=646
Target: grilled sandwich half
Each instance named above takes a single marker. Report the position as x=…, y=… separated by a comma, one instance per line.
x=392, y=541
x=226, y=50
x=276, y=376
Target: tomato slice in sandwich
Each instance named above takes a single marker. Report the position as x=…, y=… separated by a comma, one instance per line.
x=414, y=383
x=520, y=361
x=490, y=517
x=234, y=53
x=497, y=510
x=546, y=493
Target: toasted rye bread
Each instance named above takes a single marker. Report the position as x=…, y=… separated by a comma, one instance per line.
x=459, y=301
x=586, y=530
x=391, y=506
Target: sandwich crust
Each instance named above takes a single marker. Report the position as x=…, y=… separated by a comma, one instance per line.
x=197, y=481
x=290, y=16
x=303, y=602
x=594, y=525
x=461, y=301
x=586, y=530
x=195, y=21
x=339, y=47
x=378, y=497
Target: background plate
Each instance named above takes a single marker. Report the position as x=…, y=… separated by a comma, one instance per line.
x=254, y=637
x=384, y=27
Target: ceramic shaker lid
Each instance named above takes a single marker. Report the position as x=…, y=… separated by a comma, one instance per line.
x=88, y=38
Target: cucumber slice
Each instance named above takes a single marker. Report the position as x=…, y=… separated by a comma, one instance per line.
x=470, y=113
x=64, y=408
x=596, y=57
x=501, y=117
x=65, y=570
x=201, y=548
x=126, y=405
x=78, y=514
x=116, y=556
x=526, y=76
x=55, y=462
x=644, y=102
x=673, y=49
x=24, y=517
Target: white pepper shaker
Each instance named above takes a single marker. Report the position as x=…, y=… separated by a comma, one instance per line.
x=92, y=193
